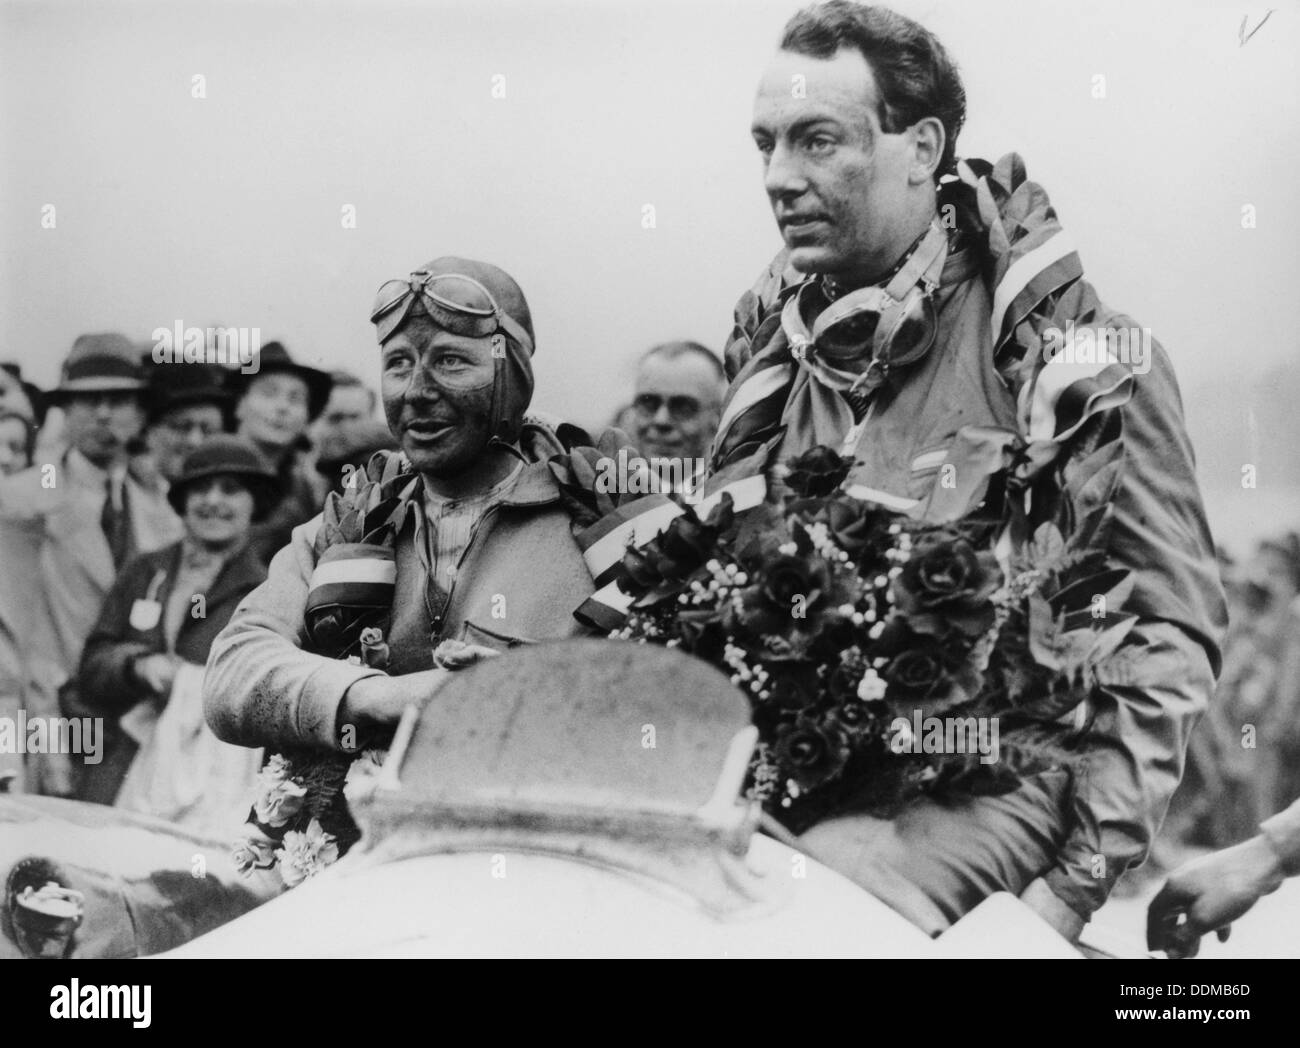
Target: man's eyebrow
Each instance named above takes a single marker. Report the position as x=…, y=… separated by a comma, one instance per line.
x=799, y=126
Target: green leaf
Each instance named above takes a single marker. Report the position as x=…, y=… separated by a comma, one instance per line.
x=1042, y=633
x=1110, y=639
x=1048, y=543
x=1078, y=596
x=1094, y=481
x=1088, y=528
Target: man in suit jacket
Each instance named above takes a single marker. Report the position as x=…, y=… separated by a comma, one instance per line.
x=66, y=528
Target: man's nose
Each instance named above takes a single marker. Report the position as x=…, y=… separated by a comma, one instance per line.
x=421, y=386
x=662, y=417
x=783, y=175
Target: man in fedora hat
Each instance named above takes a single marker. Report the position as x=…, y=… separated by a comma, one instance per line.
x=274, y=407
x=472, y=533
x=66, y=528
x=186, y=404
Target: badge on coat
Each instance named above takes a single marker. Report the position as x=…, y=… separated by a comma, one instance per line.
x=145, y=615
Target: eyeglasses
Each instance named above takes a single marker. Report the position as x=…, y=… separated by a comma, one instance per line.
x=455, y=302
x=680, y=407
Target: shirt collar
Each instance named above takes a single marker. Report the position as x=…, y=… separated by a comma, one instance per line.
x=82, y=471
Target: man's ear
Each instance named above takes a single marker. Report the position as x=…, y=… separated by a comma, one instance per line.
x=928, y=140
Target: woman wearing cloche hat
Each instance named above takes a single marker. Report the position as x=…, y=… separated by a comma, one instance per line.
x=143, y=663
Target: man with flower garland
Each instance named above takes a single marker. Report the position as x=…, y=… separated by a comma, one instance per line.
x=442, y=542
x=929, y=319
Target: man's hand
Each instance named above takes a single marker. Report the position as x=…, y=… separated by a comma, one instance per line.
x=156, y=672
x=456, y=654
x=1209, y=893
x=376, y=703
x=1053, y=909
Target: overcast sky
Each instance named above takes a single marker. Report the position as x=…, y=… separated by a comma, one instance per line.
x=228, y=208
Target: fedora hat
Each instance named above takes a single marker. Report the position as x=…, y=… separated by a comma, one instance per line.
x=170, y=386
x=227, y=455
x=106, y=363
x=272, y=358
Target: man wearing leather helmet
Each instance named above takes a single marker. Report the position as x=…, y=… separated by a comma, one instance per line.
x=467, y=535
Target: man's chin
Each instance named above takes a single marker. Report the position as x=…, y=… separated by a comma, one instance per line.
x=435, y=461
x=812, y=259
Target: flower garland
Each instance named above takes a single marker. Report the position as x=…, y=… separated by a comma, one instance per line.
x=882, y=657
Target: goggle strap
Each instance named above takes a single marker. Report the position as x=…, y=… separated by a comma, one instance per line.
x=516, y=331
x=924, y=267
x=919, y=265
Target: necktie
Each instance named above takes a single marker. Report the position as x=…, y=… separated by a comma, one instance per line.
x=116, y=522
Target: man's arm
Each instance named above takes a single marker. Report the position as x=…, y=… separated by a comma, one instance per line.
x=1155, y=689
x=261, y=688
x=1209, y=893
x=105, y=681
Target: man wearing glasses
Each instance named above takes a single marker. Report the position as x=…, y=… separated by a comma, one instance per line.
x=679, y=387
x=185, y=405
x=906, y=325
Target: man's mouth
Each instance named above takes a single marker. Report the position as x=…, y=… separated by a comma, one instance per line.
x=796, y=225
x=428, y=429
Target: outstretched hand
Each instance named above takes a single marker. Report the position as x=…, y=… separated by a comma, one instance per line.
x=1208, y=894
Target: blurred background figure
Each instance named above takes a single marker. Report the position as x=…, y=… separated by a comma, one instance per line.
x=1243, y=758
x=66, y=528
x=17, y=442
x=350, y=407
x=625, y=419
x=273, y=409
x=143, y=663
x=677, y=402
x=343, y=456
x=19, y=396
x=185, y=404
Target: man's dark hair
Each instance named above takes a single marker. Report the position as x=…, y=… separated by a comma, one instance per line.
x=915, y=76
x=674, y=350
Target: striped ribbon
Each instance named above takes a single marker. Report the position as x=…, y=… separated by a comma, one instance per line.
x=353, y=574
x=636, y=524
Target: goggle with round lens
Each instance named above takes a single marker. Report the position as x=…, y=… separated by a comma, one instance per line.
x=454, y=302
x=897, y=323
